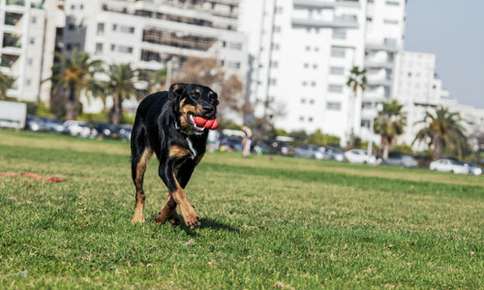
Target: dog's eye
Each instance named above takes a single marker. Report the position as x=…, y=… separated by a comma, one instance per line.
x=196, y=95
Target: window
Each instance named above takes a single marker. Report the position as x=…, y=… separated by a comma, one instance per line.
x=310, y=119
x=126, y=29
x=30, y=61
x=115, y=27
x=274, y=64
x=390, y=21
x=125, y=49
x=313, y=84
x=365, y=123
x=236, y=45
x=337, y=70
x=332, y=88
x=333, y=106
x=311, y=101
x=100, y=28
x=273, y=82
x=338, y=52
x=339, y=33
x=99, y=48
x=34, y=19
x=392, y=3
x=277, y=29
x=32, y=40
x=303, y=101
x=71, y=26
x=275, y=46
x=306, y=65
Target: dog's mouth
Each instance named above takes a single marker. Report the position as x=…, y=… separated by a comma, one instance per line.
x=191, y=117
x=200, y=124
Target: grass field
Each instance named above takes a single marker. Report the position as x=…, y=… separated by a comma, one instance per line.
x=281, y=223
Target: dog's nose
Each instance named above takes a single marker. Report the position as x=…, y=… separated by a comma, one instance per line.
x=208, y=111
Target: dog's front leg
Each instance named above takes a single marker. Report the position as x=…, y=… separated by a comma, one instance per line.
x=177, y=196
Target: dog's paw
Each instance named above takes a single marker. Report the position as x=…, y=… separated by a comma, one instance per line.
x=137, y=219
x=192, y=222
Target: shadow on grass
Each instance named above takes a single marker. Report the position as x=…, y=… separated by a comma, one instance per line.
x=208, y=223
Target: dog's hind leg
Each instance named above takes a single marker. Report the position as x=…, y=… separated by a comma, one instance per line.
x=140, y=155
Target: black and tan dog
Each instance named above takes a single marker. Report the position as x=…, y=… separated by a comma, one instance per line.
x=165, y=125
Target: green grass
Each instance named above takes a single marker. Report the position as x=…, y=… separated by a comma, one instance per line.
x=266, y=223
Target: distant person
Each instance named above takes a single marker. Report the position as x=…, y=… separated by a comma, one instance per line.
x=246, y=141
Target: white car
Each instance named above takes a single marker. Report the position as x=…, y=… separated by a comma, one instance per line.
x=360, y=156
x=450, y=165
x=475, y=169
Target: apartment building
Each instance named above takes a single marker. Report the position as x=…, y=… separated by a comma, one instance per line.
x=301, y=54
x=27, y=38
x=150, y=33
x=384, y=39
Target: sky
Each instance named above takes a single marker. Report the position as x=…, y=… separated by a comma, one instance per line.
x=454, y=31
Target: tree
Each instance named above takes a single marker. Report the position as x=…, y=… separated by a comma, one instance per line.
x=6, y=83
x=155, y=79
x=318, y=138
x=443, y=131
x=357, y=81
x=74, y=76
x=390, y=124
x=120, y=86
x=208, y=72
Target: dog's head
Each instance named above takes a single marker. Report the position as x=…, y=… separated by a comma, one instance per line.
x=191, y=101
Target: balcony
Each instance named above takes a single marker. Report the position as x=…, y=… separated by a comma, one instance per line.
x=9, y=61
x=16, y=2
x=389, y=45
x=337, y=22
x=178, y=40
x=315, y=4
x=11, y=40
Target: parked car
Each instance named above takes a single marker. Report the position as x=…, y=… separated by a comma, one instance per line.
x=449, y=165
x=475, y=169
x=78, y=128
x=360, y=156
x=333, y=153
x=398, y=159
x=309, y=151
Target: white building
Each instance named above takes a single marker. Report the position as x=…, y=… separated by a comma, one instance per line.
x=385, y=28
x=150, y=33
x=417, y=87
x=27, y=40
x=302, y=52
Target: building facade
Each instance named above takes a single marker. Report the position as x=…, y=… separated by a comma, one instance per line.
x=303, y=50
x=27, y=37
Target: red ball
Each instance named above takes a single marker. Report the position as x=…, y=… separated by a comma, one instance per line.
x=199, y=121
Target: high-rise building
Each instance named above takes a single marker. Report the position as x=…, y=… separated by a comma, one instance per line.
x=27, y=39
x=384, y=39
x=303, y=50
x=149, y=33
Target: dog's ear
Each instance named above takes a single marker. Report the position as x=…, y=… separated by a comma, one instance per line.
x=177, y=92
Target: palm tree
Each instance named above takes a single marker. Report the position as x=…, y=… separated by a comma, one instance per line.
x=6, y=83
x=121, y=86
x=75, y=76
x=443, y=131
x=389, y=124
x=357, y=80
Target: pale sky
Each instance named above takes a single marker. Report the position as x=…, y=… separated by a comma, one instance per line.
x=454, y=31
